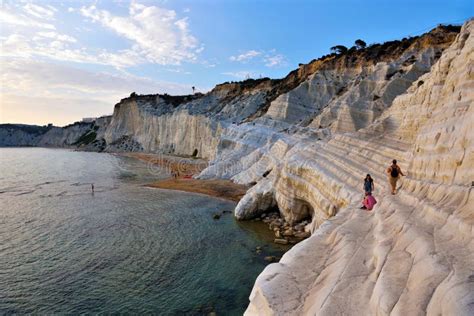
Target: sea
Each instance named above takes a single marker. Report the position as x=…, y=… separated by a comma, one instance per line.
x=124, y=248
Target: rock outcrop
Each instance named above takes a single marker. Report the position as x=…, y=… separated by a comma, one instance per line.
x=414, y=254
x=305, y=142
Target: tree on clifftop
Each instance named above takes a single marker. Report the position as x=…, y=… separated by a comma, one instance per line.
x=339, y=49
x=360, y=44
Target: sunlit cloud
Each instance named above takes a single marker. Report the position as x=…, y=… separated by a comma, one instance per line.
x=243, y=74
x=246, y=56
x=27, y=84
x=274, y=60
x=269, y=58
x=157, y=34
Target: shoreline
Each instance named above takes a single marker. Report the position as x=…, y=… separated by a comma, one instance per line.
x=218, y=188
x=185, y=168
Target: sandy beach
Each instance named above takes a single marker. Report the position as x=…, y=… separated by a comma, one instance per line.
x=185, y=168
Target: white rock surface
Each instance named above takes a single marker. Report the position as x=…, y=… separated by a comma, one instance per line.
x=414, y=254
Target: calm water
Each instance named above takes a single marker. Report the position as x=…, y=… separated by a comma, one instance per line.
x=124, y=249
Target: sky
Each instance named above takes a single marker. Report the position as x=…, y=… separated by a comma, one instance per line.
x=61, y=61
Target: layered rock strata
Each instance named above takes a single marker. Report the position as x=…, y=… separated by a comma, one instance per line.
x=414, y=254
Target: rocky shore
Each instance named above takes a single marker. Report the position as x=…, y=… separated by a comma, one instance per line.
x=285, y=233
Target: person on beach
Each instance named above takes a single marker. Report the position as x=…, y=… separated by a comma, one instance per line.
x=368, y=184
x=92, y=187
x=394, y=173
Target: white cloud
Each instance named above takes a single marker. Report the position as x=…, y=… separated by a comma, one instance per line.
x=244, y=57
x=56, y=36
x=39, y=11
x=36, y=78
x=157, y=34
x=10, y=18
x=56, y=46
x=274, y=60
x=65, y=94
x=270, y=58
x=34, y=86
x=241, y=74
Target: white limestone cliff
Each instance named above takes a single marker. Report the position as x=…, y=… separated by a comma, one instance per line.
x=414, y=254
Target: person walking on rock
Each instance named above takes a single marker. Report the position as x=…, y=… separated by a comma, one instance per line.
x=368, y=184
x=369, y=201
x=394, y=173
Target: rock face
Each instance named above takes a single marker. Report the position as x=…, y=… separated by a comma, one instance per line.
x=21, y=135
x=305, y=143
x=81, y=135
x=414, y=254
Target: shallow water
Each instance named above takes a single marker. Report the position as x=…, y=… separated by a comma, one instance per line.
x=124, y=249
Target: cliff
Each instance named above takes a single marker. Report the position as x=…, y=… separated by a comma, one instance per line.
x=414, y=254
x=305, y=142
x=79, y=135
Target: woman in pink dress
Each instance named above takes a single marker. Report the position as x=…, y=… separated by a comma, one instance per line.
x=369, y=202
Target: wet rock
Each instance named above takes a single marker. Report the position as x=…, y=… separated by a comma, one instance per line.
x=281, y=241
x=288, y=233
x=302, y=234
x=270, y=259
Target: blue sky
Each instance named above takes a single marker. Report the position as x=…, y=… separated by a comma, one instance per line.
x=64, y=60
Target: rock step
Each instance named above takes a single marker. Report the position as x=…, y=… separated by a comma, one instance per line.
x=374, y=145
x=355, y=169
x=324, y=176
x=336, y=157
x=445, y=213
x=364, y=163
x=338, y=171
x=339, y=162
x=320, y=158
x=367, y=155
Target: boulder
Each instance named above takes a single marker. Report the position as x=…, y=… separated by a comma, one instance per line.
x=270, y=259
x=281, y=241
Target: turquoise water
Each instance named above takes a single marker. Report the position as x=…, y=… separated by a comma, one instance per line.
x=124, y=249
